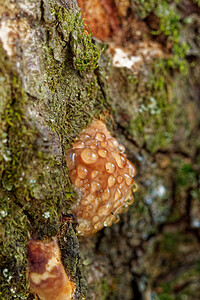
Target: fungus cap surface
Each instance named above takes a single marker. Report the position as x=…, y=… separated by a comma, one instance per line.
x=102, y=177
x=48, y=278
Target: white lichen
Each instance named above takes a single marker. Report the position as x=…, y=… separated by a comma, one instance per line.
x=46, y=215
x=123, y=59
x=5, y=32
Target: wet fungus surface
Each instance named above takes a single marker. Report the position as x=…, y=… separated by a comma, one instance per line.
x=102, y=177
x=48, y=278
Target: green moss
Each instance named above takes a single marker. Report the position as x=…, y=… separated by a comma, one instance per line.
x=154, y=122
x=149, y=108
x=182, y=276
x=22, y=211
x=186, y=179
x=106, y=289
x=20, y=138
x=73, y=99
x=186, y=175
x=69, y=246
x=170, y=25
x=197, y=2
x=34, y=187
x=13, y=236
x=14, y=224
x=143, y=7
x=181, y=287
x=85, y=53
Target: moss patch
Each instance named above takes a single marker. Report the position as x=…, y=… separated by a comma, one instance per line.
x=170, y=26
x=75, y=96
x=153, y=123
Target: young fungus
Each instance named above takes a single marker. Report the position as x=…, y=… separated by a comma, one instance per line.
x=48, y=278
x=102, y=177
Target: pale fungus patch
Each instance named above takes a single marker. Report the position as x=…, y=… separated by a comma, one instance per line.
x=102, y=177
x=47, y=276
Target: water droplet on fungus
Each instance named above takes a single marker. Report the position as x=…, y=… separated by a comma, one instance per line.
x=106, y=194
x=110, y=167
x=82, y=171
x=70, y=158
x=118, y=194
x=89, y=156
x=79, y=144
x=111, y=180
x=102, y=153
x=94, y=174
x=128, y=179
x=100, y=136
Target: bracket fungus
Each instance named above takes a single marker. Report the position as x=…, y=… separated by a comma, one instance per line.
x=102, y=177
x=48, y=278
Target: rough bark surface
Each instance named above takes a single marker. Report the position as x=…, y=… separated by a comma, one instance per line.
x=54, y=79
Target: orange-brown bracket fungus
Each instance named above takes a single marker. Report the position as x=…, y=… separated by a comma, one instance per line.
x=46, y=272
x=102, y=177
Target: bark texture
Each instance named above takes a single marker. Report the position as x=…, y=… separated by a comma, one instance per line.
x=54, y=79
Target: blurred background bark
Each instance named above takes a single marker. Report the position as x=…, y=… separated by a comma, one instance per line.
x=134, y=64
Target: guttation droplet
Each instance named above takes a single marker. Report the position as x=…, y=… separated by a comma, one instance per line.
x=102, y=153
x=106, y=194
x=78, y=182
x=95, y=219
x=79, y=144
x=90, y=198
x=94, y=145
x=131, y=169
x=120, y=160
x=110, y=167
x=85, y=136
x=102, y=211
x=84, y=202
x=121, y=148
x=128, y=179
x=113, y=143
x=82, y=171
x=111, y=180
x=70, y=158
x=118, y=194
x=95, y=186
x=89, y=156
x=89, y=207
x=100, y=136
x=94, y=174
x=120, y=179
x=104, y=144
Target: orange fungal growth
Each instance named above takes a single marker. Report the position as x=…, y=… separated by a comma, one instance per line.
x=48, y=278
x=102, y=177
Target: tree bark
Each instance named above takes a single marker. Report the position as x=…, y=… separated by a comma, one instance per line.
x=55, y=79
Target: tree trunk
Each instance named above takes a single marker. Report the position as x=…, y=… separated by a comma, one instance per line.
x=141, y=78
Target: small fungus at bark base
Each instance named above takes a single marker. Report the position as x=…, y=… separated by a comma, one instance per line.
x=48, y=278
x=102, y=177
